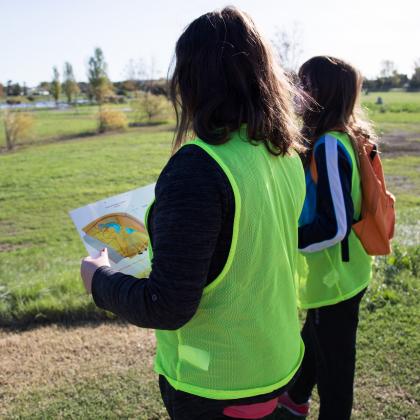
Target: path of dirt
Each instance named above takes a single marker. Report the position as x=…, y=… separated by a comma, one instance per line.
x=400, y=143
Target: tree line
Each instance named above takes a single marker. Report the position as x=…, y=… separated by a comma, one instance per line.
x=148, y=101
x=140, y=77
x=390, y=78
x=98, y=88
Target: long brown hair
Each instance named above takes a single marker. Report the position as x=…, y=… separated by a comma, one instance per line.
x=333, y=88
x=226, y=76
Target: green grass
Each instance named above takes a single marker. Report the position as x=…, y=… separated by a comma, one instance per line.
x=400, y=111
x=40, y=254
x=80, y=121
x=387, y=371
x=58, y=124
x=402, y=174
x=107, y=396
x=53, y=124
x=393, y=97
x=38, y=186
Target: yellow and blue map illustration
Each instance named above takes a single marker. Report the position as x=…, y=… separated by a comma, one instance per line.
x=123, y=235
x=116, y=223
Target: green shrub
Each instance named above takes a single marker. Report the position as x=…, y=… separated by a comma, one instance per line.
x=111, y=119
x=15, y=101
x=17, y=125
x=149, y=108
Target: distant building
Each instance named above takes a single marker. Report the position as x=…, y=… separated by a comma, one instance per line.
x=36, y=91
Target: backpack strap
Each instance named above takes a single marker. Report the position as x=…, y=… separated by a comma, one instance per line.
x=345, y=249
x=373, y=152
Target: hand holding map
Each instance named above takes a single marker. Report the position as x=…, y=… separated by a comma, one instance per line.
x=116, y=223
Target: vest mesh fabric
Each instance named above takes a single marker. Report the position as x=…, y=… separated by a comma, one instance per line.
x=244, y=339
x=325, y=279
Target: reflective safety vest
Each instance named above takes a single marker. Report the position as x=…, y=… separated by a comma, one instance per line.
x=324, y=278
x=244, y=339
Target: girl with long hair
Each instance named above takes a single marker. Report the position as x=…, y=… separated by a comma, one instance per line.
x=223, y=231
x=338, y=269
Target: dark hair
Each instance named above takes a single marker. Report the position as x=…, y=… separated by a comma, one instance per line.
x=333, y=88
x=226, y=76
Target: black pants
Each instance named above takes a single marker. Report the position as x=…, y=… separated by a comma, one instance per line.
x=329, y=334
x=183, y=406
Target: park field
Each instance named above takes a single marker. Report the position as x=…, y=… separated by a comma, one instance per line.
x=400, y=111
x=63, y=355
x=51, y=125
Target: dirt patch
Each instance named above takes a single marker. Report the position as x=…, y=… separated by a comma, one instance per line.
x=399, y=143
x=56, y=355
x=400, y=183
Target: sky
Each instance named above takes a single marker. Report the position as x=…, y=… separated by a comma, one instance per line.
x=36, y=35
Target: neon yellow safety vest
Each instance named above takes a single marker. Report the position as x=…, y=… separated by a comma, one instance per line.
x=244, y=339
x=325, y=279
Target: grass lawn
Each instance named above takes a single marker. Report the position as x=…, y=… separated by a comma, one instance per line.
x=84, y=372
x=63, y=124
x=402, y=173
x=400, y=111
x=53, y=124
x=103, y=370
x=38, y=186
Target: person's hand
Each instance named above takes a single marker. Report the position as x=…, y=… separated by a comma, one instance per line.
x=90, y=265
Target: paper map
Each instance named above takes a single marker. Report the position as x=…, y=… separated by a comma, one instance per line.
x=117, y=223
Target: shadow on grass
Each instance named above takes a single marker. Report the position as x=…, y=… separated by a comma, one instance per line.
x=61, y=320
x=66, y=319
x=147, y=124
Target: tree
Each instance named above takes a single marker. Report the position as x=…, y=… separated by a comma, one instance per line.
x=16, y=89
x=70, y=87
x=134, y=71
x=45, y=86
x=99, y=83
x=2, y=91
x=9, y=88
x=55, y=85
x=387, y=68
x=415, y=78
x=288, y=46
x=83, y=87
x=154, y=105
x=148, y=107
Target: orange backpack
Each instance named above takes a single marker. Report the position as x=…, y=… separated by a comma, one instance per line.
x=375, y=229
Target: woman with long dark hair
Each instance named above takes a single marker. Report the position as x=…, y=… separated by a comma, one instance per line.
x=223, y=231
x=338, y=268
